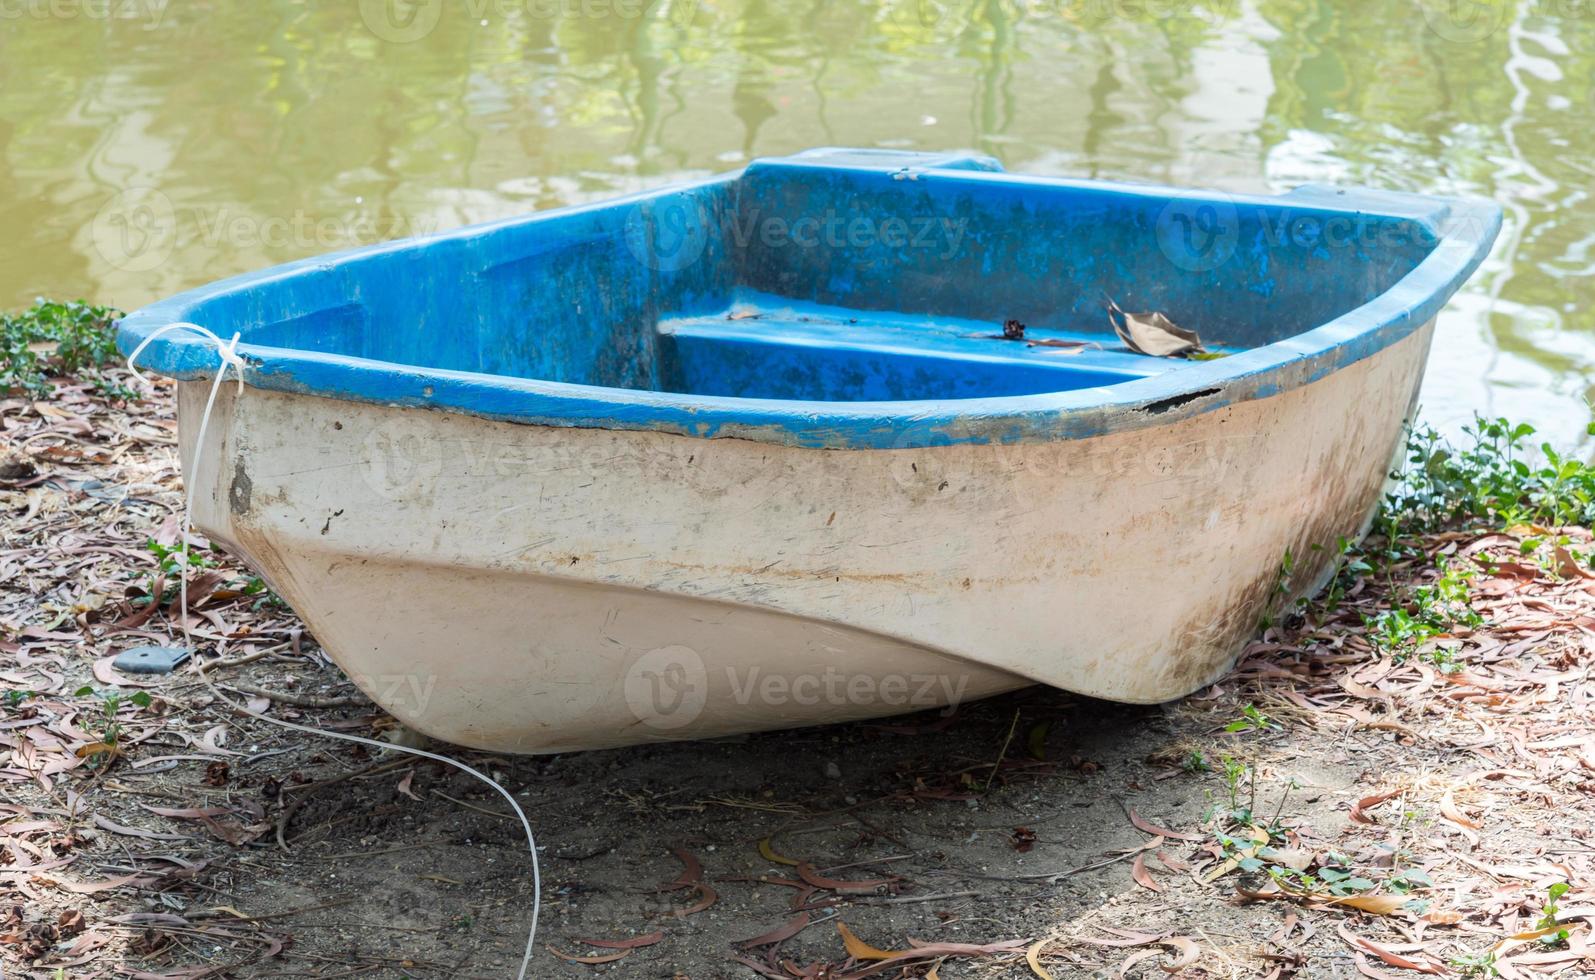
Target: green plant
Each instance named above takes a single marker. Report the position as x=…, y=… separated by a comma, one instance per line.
x=1282, y=577
x=1251, y=720
x=13, y=698
x=1342, y=881
x=169, y=558
x=1430, y=611
x=1488, y=478
x=1409, y=880
x=170, y=568
x=109, y=725
x=1195, y=762
x=264, y=598
x=1475, y=964
x=1235, y=772
x=1554, y=933
x=1353, y=566
x=54, y=338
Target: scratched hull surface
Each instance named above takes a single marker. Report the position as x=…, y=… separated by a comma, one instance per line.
x=842, y=435
x=531, y=588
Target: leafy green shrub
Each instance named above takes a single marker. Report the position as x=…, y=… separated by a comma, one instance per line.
x=1491, y=478
x=52, y=338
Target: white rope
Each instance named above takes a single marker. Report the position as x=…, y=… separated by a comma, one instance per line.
x=228, y=352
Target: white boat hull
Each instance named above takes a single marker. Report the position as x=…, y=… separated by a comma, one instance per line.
x=529, y=588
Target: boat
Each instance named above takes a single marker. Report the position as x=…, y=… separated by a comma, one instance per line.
x=841, y=435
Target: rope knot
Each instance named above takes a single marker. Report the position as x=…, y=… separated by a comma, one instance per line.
x=226, y=350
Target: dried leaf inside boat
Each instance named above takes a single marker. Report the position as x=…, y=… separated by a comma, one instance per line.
x=1153, y=334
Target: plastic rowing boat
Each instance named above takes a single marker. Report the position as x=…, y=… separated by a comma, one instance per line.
x=844, y=434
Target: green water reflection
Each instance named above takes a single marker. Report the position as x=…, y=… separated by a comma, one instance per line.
x=255, y=133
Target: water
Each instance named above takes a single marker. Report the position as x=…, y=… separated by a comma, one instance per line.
x=147, y=146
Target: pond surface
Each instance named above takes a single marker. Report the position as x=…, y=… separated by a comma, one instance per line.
x=147, y=146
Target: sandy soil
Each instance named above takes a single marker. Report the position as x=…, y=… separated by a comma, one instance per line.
x=1417, y=806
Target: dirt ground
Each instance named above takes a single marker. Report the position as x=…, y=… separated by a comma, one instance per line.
x=1338, y=807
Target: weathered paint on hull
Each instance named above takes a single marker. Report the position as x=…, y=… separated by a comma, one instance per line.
x=529, y=588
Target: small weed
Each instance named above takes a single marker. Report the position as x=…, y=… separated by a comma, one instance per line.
x=264, y=598
x=1235, y=773
x=1410, y=880
x=169, y=558
x=1353, y=566
x=1287, y=567
x=1430, y=611
x=52, y=338
x=1341, y=881
x=1475, y=964
x=1196, y=762
x=169, y=568
x=1555, y=934
x=1251, y=720
x=109, y=726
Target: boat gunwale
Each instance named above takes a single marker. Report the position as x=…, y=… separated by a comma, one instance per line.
x=1466, y=229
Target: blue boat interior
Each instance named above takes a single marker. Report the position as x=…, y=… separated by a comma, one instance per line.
x=841, y=276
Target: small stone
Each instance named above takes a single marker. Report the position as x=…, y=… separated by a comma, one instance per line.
x=150, y=660
x=833, y=771
x=14, y=466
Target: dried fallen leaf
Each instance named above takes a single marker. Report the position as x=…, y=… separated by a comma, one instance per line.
x=870, y=886
x=1372, y=904
x=590, y=960
x=1142, y=876
x=691, y=873
x=1448, y=809
x=767, y=851
x=1360, y=808
x=1153, y=334
x=636, y=942
x=706, y=897
x=1189, y=952
x=779, y=934
x=1033, y=957
x=1392, y=958
x=858, y=948
x=1146, y=826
